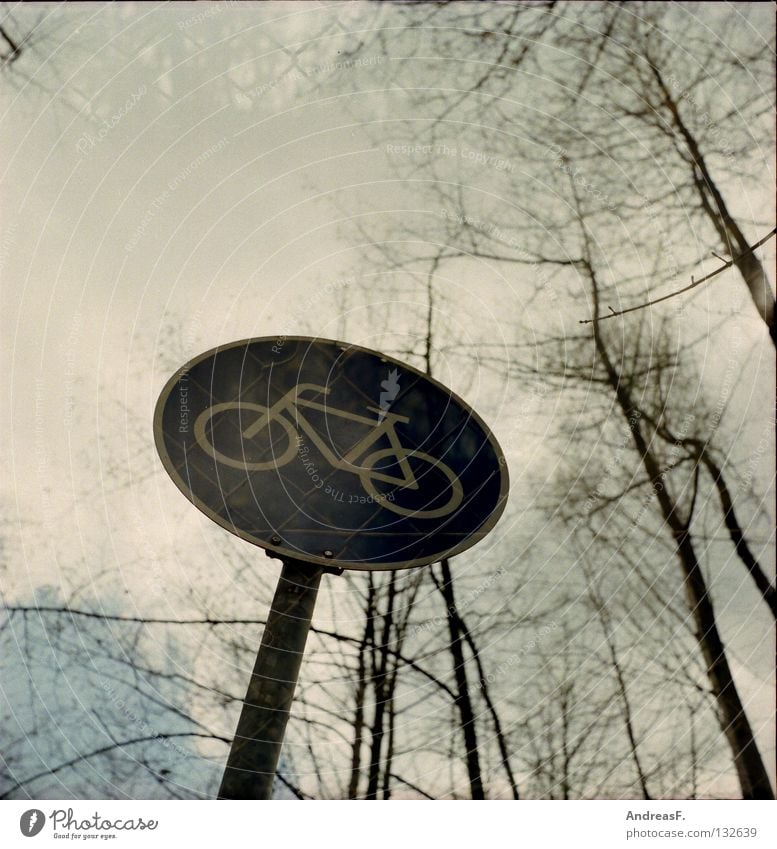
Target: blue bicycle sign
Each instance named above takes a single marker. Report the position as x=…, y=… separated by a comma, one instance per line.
x=325, y=451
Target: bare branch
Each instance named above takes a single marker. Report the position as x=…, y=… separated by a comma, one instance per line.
x=101, y=751
x=693, y=284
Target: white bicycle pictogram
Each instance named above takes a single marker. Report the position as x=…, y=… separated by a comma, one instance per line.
x=288, y=413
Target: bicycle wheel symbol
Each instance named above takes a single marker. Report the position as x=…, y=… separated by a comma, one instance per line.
x=248, y=438
x=431, y=481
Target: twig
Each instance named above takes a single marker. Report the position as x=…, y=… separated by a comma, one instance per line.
x=101, y=751
x=108, y=617
x=411, y=786
x=693, y=284
x=295, y=790
x=343, y=638
x=9, y=58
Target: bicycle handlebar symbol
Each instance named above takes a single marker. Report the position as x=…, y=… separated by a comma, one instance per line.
x=287, y=412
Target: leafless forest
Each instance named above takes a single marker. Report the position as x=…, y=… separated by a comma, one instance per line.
x=508, y=196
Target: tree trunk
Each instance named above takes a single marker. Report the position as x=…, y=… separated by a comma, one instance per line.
x=628, y=720
x=463, y=700
x=389, y=760
x=741, y=547
x=752, y=774
x=727, y=228
x=380, y=677
x=500, y=737
x=361, y=689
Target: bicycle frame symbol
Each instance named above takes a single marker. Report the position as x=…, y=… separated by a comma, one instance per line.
x=288, y=413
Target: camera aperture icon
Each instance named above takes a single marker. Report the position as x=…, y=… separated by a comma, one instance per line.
x=31, y=822
x=390, y=388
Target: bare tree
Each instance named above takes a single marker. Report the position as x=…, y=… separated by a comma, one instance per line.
x=733, y=718
x=440, y=682
x=697, y=106
x=601, y=172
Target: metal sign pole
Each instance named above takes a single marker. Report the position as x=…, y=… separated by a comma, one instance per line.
x=253, y=758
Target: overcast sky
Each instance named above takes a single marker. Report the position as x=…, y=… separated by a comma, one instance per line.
x=174, y=177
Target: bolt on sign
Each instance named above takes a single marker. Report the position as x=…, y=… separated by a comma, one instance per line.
x=329, y=456
x=330, y=453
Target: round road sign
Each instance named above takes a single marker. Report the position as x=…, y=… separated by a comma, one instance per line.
x=330, y=453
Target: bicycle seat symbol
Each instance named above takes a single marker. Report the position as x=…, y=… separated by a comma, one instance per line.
x=408, y=470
